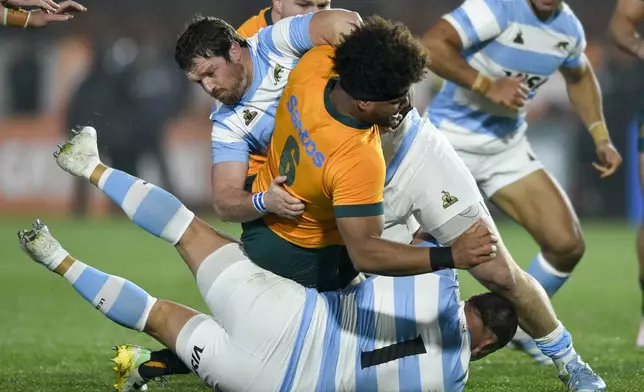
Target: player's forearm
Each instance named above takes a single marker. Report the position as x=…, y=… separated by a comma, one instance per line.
x=446, y=61
x=235, y=205
x=383, y=257
x=585, y=96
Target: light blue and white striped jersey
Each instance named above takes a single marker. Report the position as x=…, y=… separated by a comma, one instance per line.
x=238, y=130
x=386, y=334
x=503, y=38
x=396, y=143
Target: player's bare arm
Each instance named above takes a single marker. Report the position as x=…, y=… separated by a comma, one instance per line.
x=328, y=26
x=585, y=96
x=232, y=202
x=49, y=12
x=622, y=27
x=372, y=254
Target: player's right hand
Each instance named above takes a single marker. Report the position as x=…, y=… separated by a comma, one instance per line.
x=509, y=92
x=475, y=246
x=47, y=5
x=278, y=201
x=63, y=13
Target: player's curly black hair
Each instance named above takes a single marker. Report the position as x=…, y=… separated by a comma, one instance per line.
x=381, y=58
x=205, y=36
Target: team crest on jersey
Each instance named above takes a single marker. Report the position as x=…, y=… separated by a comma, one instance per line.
x=249, y=116
x=519, y=38
x=448, y=200
x=563, y=45
x=277, y=73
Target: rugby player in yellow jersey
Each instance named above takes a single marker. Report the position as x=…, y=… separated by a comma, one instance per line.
x=266, y=17
x=326, y=143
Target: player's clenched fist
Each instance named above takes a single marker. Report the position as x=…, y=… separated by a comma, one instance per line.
x=280, y=202
x=509, y=92
x=475, y=246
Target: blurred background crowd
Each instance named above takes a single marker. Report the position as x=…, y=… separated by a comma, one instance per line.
x=113, y=67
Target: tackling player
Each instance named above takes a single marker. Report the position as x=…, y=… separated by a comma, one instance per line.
x=263, y=323
x=495, y=55
x=622, y=28
x=248, y=83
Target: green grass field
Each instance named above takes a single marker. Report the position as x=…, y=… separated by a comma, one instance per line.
x=52, y=340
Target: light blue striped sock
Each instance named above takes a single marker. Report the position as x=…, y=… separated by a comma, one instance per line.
x=558, y=346
x=548, y=277
x=150, y=207
x=120, y=300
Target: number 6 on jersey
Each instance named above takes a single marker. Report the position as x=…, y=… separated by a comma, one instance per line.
x=289, y=160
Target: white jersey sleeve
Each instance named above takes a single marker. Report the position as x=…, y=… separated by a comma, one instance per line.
x=289, y=38
x=478, y=21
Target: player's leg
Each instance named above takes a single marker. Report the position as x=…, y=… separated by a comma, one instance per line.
x=640, y=242
x=150, y=207
x=538, y=203
x=501, y=275
x=128, y=305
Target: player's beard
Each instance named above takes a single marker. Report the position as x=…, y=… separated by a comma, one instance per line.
x=240, y=85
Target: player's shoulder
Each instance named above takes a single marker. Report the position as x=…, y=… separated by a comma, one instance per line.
x=570, y=23
x=255, y=23
x=315, y=63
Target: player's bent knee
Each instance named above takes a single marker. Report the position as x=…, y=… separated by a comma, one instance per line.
x=198, y=344
x=565, y=250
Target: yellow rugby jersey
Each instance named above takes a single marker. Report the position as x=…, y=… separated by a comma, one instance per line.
x=333, y=163
x=247, y=30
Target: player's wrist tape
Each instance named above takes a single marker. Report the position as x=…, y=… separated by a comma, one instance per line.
x=441, y=257
x=258, y=203
x=599, y=131
x=11, y=17
x=482, y=84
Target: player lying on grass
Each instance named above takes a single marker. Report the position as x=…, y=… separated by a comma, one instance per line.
x=495, y=55
x=270, y=333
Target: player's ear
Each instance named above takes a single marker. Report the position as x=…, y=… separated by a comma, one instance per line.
x=363, y=105
x=487, y=346
x=277, y=6
x=235, y=52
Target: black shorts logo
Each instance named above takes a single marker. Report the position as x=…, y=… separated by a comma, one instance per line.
x=196, y=357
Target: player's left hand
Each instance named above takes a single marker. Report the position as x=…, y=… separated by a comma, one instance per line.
x=609, y=159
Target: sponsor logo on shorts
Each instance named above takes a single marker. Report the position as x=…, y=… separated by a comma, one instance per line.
x=196, y=357
x=448, y=200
